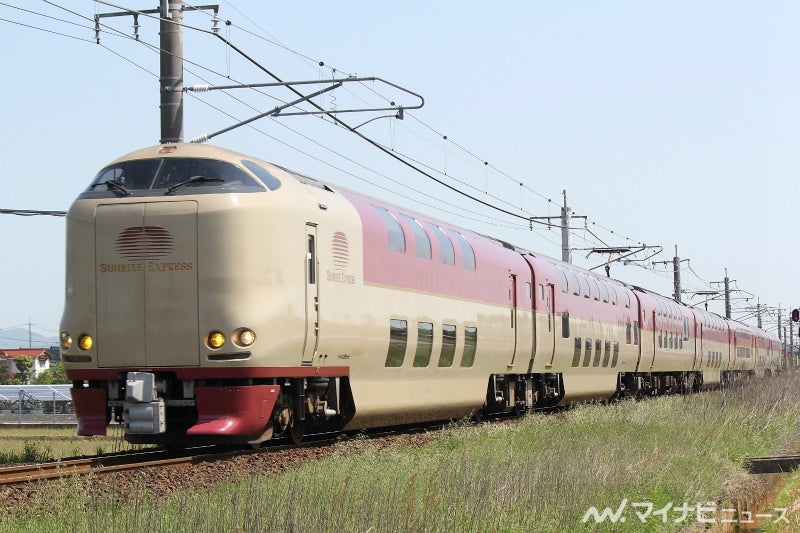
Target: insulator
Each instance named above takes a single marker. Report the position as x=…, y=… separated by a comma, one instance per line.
x=200, y=140
x=215, y=24
x=199, y=88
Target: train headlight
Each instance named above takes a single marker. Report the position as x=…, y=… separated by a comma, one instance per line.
x=85, y=342
x=215, y=339
x=244, y=337
x=66, y=340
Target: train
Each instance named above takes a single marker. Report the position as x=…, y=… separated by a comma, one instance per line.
x=216, y=298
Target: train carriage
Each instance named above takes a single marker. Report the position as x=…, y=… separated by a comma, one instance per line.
x=214, y=297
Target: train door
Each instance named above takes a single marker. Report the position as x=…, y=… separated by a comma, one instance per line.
x=700, y=348
x=550, y=295
x=312, y=296
x=512, y=297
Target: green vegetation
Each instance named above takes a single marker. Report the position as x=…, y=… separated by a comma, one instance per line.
x=541, y=474
x=20, y=444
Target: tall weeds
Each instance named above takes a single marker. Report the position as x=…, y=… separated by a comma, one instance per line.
x=541, y=474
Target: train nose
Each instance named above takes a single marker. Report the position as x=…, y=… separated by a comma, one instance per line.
x=146, y=279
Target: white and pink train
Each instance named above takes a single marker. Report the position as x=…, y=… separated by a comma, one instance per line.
x=212, y=297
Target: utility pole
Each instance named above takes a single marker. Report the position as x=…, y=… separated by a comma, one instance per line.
x=727, y=295
x=30, y=342
x=566, y=243
x=171, y=80
x=779, y=322
x=676, y=273
x=676, y=268
x=566, y=221
x=758, y=313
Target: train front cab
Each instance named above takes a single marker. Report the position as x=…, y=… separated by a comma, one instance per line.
x=180, y=322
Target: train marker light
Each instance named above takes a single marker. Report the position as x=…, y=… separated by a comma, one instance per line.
x=66, y=340
x=244, y=337
x=795, y=315
x=85, y=342
x=215, y=340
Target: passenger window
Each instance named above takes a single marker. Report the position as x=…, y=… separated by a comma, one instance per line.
x=596, y=292
x=448, y=345
x=576, y=287
x=398, y=338
x=422, y=243
x=422, y=357
x=585, y=284
x=446, y=245
x=470, y=346
x=576, y=355
x=613, y=291
x=565, y=325
x=635, y=332
x=627, y=300
x=598, y=352
x=397, y=239
x=564, y=284
x=616, y=354
x=627, y=333
x=604, y=291
x=588, y=352
x=607, y=353
x=466, y=251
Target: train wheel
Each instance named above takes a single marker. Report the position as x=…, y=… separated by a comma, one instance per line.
x=294, y=433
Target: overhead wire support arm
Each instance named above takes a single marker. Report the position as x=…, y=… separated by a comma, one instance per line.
x=339, y=81
x=274, y=112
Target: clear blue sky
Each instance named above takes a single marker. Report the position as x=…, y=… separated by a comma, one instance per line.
x=670, y=123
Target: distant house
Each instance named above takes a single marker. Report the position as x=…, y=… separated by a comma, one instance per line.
x=41, y=360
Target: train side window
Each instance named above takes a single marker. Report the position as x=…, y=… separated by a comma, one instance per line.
x=587, y=356
x=616, y=354
x=565, y=325
x=422, y=243
x=596, y=291
x=576, y=355
x=271, y=182
x=445, y=244
x=598, y=352
x=607, y=353
x=470, y=346
x=398, y=339
x=636, y=332
x=660, y=339
x=604, y=291
x=627, y=333
x=422, y=357
x=576, y=287
x=587, y=292
x=311, y=261
x=467, y=253
x=685, y=329
x=613, y=291
x=448, y=345
x=627, y=300
x=564, y=284
x=397, y=239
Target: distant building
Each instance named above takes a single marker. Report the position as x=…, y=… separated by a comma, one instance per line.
x=41, y=360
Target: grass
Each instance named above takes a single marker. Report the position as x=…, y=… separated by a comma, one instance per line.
x=19, y=444
x=542, y=474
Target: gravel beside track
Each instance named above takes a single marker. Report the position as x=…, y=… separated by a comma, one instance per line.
x=161, y=482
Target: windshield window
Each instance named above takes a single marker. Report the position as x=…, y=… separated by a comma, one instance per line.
x=132, y=175
x=156, y=174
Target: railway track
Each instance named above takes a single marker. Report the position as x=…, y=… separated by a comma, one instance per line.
x=102, y=465
x=107, y=464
